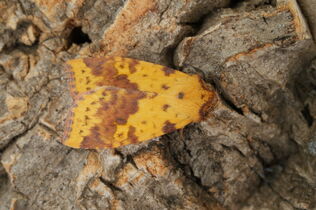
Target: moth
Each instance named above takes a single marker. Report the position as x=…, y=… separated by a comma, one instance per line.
x=120, y=101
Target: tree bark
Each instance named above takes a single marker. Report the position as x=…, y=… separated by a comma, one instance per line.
x=255, y=150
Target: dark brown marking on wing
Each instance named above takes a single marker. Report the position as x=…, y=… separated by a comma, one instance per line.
x=96, y=64
x=180, y=95
x=168, y=127
x=94, y=140
x=165, y=107
x=88, y=80
x=210, y=102
x=121, y=121
x=116, y=111
x=131, y=134
x=132, y=64
x=164, y=86
x=105, y=67
x=168, y=71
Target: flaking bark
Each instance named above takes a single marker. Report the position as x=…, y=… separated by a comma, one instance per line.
x=255, y=150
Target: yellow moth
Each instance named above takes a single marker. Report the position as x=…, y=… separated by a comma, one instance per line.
x=120, y=101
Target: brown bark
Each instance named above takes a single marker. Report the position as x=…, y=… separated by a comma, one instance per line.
x=255, y=150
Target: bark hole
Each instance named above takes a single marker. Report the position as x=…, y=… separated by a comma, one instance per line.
x=307, y=116
x=77, y=36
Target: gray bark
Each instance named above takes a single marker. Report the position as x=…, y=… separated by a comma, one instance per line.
x=255, y=150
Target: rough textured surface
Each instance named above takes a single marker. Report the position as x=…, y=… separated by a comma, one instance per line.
x=256, y=149
x=152, y=100
x=308, y=9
